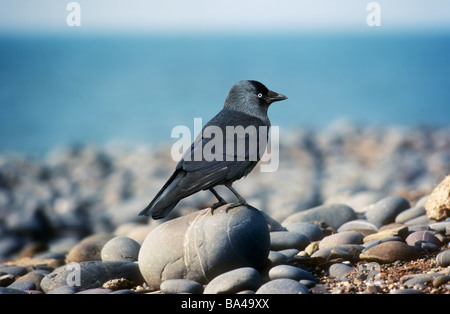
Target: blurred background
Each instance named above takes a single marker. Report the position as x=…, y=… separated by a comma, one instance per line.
x=86, y=112
x=135, y=69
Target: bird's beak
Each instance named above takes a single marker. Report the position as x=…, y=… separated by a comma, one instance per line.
x=273, y=97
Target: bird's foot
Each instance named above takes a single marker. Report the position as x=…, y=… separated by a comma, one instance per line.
x=217, y=205
x=233, y=205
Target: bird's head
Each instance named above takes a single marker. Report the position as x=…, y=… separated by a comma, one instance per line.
x=251, y=97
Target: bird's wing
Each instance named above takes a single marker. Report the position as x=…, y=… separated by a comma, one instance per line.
x=234, y=150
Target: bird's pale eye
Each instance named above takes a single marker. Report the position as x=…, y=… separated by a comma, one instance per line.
x=260, y=95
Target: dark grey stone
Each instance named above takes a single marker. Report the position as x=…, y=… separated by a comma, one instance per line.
x=174, y=286
x=91, y=274
x=4, y=290
x=283, y=286
x=334, y=215
x=418, y=237
x=384, y=211
x=311, y=231
x=23, y=285
x=409, y=214
x=282, y=240
x=241, y=279
x=200, y=246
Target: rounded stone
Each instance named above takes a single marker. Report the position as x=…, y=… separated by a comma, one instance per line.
x=202, y=245
x=120, y=249
x=384, y=212
x=419, y=237
x=341, y=238
x=91, y=274
x=438, y=204
x=339, y=270
x=282, y=240
x=283, y=286
x=311, y=231
x=409, y=214
x=23, y=285
x=240, y=279
x=64, y=290
x=290, y=272
x=357, y=224
x=334, y=215
x=174, y=286
x=89, y=249
x=389, y=252
x=443, y=258
x=277, y=258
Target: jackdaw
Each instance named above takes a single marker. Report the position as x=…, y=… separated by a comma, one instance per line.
x=237, y=154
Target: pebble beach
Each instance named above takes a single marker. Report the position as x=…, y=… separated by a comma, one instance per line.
x=351, y=209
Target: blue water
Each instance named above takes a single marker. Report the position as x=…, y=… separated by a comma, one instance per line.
x=57, y=90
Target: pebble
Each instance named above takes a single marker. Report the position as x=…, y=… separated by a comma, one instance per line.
x=6, y=280
x=123, y=291
x=441, y=227
x=90, y=274
x=95, y=291
x=275, y=258
x=118, y=284
x=349, y=252
x=438, y=205
x=13, y=270
x=64, y=290
x=174, y=286
x=335, y=215
x=440, y=280
x=341, y=238
x=339, y=270
x=400, y=232
x=34, y=277
x=289, y=253
x=409, y=214
x=406, y=291
x=384, y=211
x=200, y=246
x=290, y=272
x=120, y=249
x=419, y=279
x=419, y=237
x=389, y=252
x=357, y=224
x=283, y=286
x=311, y=231
x=23, y=285
x=4, y=290
x=282, y=240
x=443, y=258
x=89, y=249
x=233, y=281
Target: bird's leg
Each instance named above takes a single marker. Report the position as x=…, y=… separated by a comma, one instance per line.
x=241, y=201
x=220, y=202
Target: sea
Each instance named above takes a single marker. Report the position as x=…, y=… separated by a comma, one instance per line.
x=58, y=90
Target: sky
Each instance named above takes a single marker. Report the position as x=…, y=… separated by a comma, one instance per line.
x=219, y=15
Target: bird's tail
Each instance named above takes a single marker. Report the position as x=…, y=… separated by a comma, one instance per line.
x=157, y=212
x=164, y=201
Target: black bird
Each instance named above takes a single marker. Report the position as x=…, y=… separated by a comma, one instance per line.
x=245, y=106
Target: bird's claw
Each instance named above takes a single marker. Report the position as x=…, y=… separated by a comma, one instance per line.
x=217, y=205
x=233, y=205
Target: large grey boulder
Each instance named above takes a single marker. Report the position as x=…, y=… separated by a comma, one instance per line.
x=202, y=245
